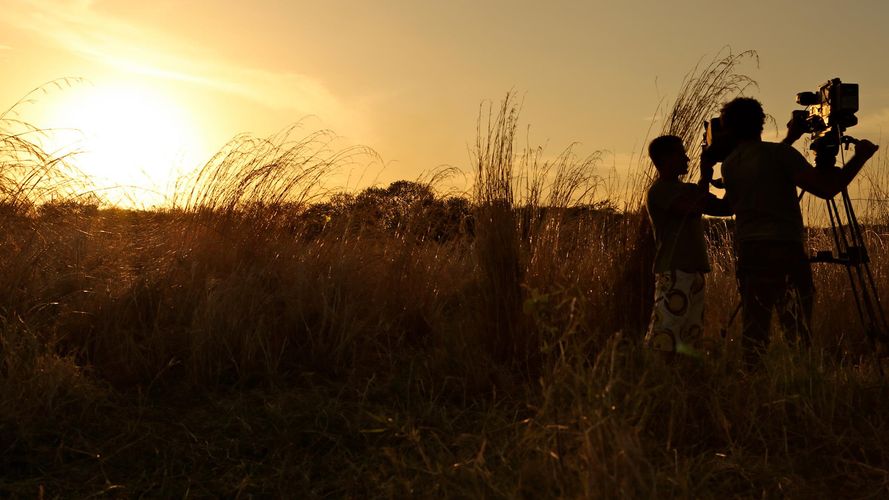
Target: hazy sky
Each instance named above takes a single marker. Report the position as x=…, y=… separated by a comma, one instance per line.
x=407, y=77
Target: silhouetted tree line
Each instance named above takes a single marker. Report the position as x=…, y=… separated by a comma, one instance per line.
x=413, y=209
x=405, y=208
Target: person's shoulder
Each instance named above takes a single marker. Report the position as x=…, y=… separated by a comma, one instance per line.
x=662, y=186
x=740, y=150
x=663, y=192
x=656, y=185
x=788, y=157
x=788, y=152
x=657, y=188
x=781, y=148
x=652, y=188
x=653, y=191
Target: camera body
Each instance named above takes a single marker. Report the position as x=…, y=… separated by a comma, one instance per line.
x=833, y=105
x=830, y=111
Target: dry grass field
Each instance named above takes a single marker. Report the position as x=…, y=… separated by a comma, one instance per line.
x=255, y=341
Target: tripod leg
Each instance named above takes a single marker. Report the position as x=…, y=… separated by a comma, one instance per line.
x=878, y=328
x=842, y=242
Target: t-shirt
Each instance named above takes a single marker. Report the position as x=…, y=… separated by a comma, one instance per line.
x=679, y=238
x=759, y=187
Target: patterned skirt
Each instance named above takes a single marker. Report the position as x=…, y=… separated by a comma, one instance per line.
x=678, y=315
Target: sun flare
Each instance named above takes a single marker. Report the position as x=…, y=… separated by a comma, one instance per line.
x=132, y=142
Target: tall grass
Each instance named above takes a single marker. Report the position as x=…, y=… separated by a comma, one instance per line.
x=281, y=172
x=28, y=173
x=497, y=241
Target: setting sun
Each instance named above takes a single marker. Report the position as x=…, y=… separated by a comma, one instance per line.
x=131, y=141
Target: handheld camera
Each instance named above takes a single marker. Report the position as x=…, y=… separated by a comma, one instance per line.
x=716, y=143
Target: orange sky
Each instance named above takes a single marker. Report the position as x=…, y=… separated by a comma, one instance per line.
x=407, y=77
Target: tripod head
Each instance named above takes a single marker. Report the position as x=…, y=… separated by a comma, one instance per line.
x=827, y=147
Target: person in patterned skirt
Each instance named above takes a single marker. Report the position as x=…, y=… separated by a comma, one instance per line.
x=681, y=262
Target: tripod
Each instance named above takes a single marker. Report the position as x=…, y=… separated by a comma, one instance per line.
x=848, y=240
x=852, y=254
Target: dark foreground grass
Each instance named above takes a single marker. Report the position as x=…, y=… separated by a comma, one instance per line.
x=618, y=424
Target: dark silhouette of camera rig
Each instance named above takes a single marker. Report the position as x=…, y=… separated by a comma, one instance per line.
x=830, y=110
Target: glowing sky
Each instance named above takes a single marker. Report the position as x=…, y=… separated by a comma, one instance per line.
x=407, y=77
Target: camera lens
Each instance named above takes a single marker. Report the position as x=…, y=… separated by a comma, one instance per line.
x=808, y=98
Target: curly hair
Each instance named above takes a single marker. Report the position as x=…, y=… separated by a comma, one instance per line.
x=744, y=117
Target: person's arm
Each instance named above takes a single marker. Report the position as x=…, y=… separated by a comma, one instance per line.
x=699, y=199
x=707, y=163
x=696, y=201
x=710, y=204
x=718, y=207
x=828, y=182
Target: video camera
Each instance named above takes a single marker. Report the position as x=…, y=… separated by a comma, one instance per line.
x=834, y=104
x=831, y=110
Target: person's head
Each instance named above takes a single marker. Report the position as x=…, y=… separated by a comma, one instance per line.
x=668, y=155
x=743, y=118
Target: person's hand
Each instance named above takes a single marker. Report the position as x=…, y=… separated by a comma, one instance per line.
x=706, y=173
x=865, y=149
x=707, y=164
x=796, y=127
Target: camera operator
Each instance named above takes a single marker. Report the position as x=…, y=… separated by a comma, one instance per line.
x=760, y=183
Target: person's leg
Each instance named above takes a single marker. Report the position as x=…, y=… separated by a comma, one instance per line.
x=664, y=327
x=796, y=309
x=805, y=286
x=761, y=288
x=692, y=331
x=758, y=298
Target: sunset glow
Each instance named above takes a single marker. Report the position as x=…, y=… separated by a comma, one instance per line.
x=132, y=141
x=406, y=78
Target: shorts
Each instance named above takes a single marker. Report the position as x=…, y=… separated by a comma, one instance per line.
x=678, y=315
